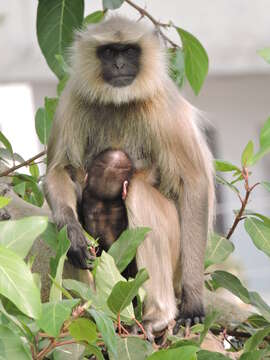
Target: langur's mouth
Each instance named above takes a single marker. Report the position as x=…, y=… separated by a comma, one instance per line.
x=121, y=80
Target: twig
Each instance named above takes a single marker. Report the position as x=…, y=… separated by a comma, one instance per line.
x=157, y=24
x=124, y=330
x=53, y=344
x=25, y=163
x=225, y=336
x=244, y=202
x=119, y=323
x=141, y=327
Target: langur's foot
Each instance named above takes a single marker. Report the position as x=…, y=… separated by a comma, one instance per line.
x=4, y=214
x=78, y=253
x=189, y=318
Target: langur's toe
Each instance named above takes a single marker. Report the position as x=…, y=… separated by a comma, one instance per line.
x=187, y=322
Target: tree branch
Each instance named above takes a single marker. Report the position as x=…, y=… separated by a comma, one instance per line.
x=157, y=24
x=244, y=202
x=25, y=163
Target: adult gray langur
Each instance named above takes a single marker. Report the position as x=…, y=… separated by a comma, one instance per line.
x=120, y=96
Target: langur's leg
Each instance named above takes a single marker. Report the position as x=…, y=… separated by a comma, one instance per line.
x=194, y=213
x=61, y=195
x=159, y=253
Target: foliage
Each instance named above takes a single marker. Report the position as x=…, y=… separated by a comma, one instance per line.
x=97, y=322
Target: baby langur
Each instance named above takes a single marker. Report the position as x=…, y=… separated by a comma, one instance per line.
x=103, y=211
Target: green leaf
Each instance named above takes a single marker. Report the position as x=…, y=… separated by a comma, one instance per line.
x=50, y=107
x=264, y=142
x=106, y=328
x=4, y=201
x=183, y=353
x=132, y=348
x=260, y=304
x=218, y=249
x=209, y=320
x=83, y=330
x=107, y=275
x=80, y=289
x=253, y=355
x=12, y=346
x=247, y=154
x=209, y=355
x=265, y=219
x=255, y=340
x=54, y=314
x=17, y=283
x=16, y=179
x=5, y=142
x=56, y=22
x=41, y=126
x=255, y=320
x=50, y=236
x=225, y=166
x=19, y=235
x=177, y=66
x=6, y=155
x=265, y=134
x=259, y=233
x=222, y=181
x=231, y=283
x=265, y=54
x=22, y=328
x=34, y=170
x=93, y=350
x=73, y=351
x=266, y=185
x=62, y=83
x=57, y=264
x=34, y=195
x=112, y=4
x=44, y=119
x=124, y=292
x=94, y=18
x=124, y=249
x=196, y=60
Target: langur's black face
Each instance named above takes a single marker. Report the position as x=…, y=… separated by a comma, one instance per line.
x=119, y=62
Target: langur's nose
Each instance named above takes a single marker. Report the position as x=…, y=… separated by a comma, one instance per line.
x=119, y=63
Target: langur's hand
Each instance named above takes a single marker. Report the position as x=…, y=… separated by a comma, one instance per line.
x=78, y=253
x=124, y=190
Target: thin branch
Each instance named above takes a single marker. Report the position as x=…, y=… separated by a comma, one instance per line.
x=53, y=344
x=141, y=327
x=25, y=163
x=157, y=24
x=239, y=217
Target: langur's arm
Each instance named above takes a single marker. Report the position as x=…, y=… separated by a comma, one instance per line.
x=60, y=190
x=61, y=196
x=186, y=167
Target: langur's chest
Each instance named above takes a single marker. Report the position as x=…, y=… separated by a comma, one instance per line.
x=118, y=130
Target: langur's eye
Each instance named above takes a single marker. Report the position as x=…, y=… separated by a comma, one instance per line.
x=108, y=52
x=130, y=51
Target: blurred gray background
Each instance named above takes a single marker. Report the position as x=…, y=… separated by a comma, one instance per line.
x=235, y=97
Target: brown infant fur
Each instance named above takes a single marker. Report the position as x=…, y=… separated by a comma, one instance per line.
x=104, y=215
